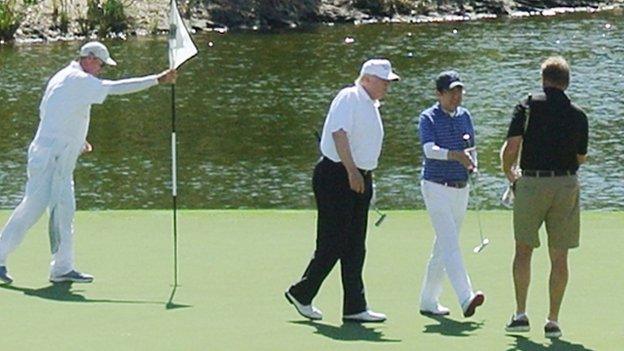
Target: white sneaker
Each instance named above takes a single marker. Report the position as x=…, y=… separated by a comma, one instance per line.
x=4, y=275
x=72, y=276
x=438, y=310
x=307, y=311
x=470, y=305
x=367, y=316
x=552, y=330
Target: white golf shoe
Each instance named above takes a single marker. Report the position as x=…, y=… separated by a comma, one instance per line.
x=367, y=316
x=470, y=305
x=307, y=311
x=438, y=310
x=72, y=276
x=4, y=275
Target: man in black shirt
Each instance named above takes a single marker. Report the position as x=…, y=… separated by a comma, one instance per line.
x=550, y=133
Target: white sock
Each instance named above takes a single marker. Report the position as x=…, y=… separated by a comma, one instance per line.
x=548, y=321
x=520, y=315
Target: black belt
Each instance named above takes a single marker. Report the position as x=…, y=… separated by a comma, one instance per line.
x=458, y=185
x=539, y=174
x=364, y=172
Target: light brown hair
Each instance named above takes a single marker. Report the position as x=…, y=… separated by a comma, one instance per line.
x=556, y=71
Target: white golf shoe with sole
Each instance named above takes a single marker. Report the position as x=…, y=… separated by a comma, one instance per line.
x=307, y=311
x=367, y=316
x=72, y=276
x=4, y=275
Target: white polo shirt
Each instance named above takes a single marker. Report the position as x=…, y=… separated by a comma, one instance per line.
x=353, y=111
x=66, y=104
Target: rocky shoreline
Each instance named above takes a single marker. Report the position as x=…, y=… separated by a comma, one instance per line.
x=39, y=21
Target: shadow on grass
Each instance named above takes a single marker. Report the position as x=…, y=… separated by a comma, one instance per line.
x=450, y=327
x=522, y=343
x=347, y=332
x=170, y=305
x=64, y=292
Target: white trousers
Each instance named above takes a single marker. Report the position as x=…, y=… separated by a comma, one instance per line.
x=446, y=207
x=51, y=163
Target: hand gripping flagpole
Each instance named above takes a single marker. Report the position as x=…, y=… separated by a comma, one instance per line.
x=181, y=49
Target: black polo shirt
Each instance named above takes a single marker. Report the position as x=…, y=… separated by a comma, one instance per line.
x=556, y=133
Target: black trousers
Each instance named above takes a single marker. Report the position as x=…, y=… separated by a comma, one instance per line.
x=341, y=235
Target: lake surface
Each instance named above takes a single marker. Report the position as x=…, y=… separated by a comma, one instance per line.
x=247, y=107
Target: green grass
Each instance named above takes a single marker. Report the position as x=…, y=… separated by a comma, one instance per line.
x=235, y=265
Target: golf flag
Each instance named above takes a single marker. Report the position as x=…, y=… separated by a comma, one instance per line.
x=181, y=46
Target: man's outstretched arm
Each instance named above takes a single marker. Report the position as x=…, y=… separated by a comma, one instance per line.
x=133, y=85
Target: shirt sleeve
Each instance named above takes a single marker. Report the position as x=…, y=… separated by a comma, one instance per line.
x=341, y=113
x=434, y=152
x=93, y=90
x=131, y=85
x=516, y=127
x=583, y=135
x=425, y=130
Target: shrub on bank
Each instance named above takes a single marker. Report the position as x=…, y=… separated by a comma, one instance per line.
x=106, y=17
x=9, y=20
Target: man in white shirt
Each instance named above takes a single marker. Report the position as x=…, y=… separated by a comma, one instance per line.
x=342, y=182
x=61, y=137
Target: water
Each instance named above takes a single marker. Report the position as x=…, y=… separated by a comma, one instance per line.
x=248, y=105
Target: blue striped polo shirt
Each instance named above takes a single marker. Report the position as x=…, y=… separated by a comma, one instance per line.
x=447, y=132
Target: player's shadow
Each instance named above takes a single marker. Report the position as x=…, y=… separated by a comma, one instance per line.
x=522, y=343
x=348, y=332
x=64, y=292
x=451, y=327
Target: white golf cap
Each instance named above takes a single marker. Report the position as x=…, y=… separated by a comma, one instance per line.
x=98, y=50
x=380, y=68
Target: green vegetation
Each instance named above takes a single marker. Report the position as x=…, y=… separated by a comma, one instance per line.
x=60, y=18
x=106, y=17
x=235, y=265
x=9, y=19
x=114, y=19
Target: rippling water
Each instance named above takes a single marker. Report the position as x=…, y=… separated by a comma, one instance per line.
x=248, y=106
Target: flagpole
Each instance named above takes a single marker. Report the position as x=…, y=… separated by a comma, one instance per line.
x=181, y=49
x=174, y=186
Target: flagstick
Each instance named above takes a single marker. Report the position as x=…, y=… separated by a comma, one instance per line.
x=174, y=182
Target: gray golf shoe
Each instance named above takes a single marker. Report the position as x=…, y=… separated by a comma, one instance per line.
x=4, y=275
x=72, y=276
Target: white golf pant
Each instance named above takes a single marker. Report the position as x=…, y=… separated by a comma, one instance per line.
x=446, y=207
x=51, y=163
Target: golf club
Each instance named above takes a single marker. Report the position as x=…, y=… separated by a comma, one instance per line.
x=484, y=241
x=382, y=216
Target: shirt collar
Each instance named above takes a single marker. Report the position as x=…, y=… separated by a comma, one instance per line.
x=76, y=65
x=364, y=93
x=558, y=94
x=451, y=115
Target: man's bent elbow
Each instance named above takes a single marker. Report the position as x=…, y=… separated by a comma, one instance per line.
x=581, y=159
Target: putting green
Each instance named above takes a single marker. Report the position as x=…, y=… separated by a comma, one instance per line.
x=235, y=265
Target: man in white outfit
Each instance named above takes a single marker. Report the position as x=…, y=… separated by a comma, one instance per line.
x=447, y=137
x=61, y=137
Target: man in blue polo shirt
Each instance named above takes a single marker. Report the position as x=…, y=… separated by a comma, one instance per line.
x=447, y=138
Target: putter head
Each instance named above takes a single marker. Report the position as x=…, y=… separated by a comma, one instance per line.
x=380, y=220
x=482, y=246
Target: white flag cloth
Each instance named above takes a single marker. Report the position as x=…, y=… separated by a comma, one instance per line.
x=181, y=46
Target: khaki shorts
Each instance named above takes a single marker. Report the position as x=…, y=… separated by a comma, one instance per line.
x=554, y=200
